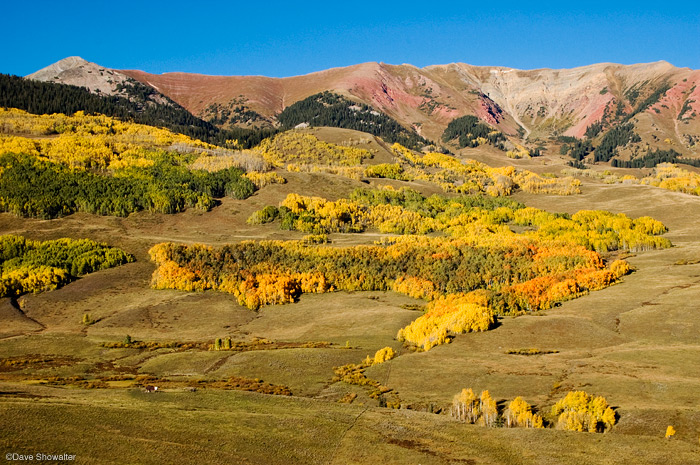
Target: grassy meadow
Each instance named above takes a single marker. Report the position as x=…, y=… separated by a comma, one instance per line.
x=63, y=389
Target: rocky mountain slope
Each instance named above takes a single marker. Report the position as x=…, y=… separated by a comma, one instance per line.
x=98, y=79
x=662, y=101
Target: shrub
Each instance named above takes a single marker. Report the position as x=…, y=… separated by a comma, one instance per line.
x=382, y=355
x=266, y=215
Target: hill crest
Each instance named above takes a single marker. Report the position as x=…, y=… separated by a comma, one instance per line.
x=526, y=105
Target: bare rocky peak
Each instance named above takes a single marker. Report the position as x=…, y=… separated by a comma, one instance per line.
x=51, y=71
x=79, y=72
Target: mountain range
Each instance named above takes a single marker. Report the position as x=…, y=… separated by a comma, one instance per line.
x=529, y=106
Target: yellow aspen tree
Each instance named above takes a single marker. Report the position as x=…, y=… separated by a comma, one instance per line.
x=670, y=431
x=519, y=414
x=489, y=409
x=465, y=406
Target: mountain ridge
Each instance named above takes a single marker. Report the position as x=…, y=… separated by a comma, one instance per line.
x=526, y=105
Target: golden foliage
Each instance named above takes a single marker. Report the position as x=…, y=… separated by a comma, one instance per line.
x=536, y=184
x=315, y=239
x=670, y=177
x=664, y=175
x=466, y=406
x=218, y=159
x=596, y=230
x=268, y=289
x=386, y=170
x=81, y=141
x=579, y=411
x=382, y=355
x=518, y=152
x=620, y=268
x=452, y=314
x=32, y=279
x=483, y=410
x=348, y=216
x=471, y=177
x=170, y=275
x=348, y=398
x=517, y=273
x=543, y=292
x=489, y=410
x=17, y=145
x=352, y=172
x=484, y=269
x=303, y=148
x=519, y=414
x=342, y=215
x=264, y=179
x=33, y=266
x=355, y=374
x=415, y=287
x=551, y=258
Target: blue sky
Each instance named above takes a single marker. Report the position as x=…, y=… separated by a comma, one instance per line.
x=295, y=37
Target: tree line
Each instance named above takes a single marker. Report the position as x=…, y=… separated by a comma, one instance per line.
x=473, y=217
x=329, y=109
x=36, y=188
x=48, y=98
x=653, y=158
x=618, y=136
x=472, y=132
x=577, y=411
x=34, y=266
